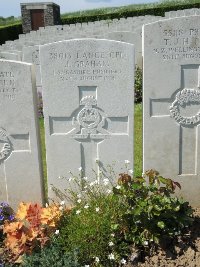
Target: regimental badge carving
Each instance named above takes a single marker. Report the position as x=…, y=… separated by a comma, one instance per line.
x=89, y=121
x=6, y=148
x=183, y=98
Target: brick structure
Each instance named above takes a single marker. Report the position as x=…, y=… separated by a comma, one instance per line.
x=35, y=15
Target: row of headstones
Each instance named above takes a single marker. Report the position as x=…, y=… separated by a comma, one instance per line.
x=90, y=29
x=88, y=111
x=126, y=30
x=26, y=48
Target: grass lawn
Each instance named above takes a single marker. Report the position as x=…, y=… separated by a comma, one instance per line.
x=137, y=144
x=138, y=140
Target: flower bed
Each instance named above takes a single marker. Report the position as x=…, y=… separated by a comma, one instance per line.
x=106, y=224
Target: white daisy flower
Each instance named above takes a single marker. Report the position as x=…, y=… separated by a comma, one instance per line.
x=127, y=161
x=123, y=261
x=97, y=209
x=111, y=244
x=79, y=200
x=80, y=169
x=86, y=206
x=130, y=171
x=78, y=212
x=111, y=256
x=57, y=232
x=97, y=259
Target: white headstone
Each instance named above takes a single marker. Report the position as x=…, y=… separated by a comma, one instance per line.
x=129, y=37
x=88, y=106
x=9, y=55
x=20, y=161
x=172, y=102
x=31, y=55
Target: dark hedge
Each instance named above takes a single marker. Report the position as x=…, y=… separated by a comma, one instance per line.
x=10, y=32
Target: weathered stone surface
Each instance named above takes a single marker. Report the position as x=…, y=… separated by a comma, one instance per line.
x=31, y=55
x=20, y=161
x=129, y=37
x=88, y=106
x=9, y=55
x=172, y=102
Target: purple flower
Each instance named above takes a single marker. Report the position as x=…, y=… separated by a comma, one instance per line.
x=11, y=217
x=4, y=204
x=1, y=217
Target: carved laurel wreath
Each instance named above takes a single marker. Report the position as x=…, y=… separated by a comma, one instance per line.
x=185, y=97
x=7, y=148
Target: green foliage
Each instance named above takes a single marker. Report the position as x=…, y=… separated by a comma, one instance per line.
x=156, y=9
x=107, y=224
x=138, y=139
x=9, y=20
x=43, y=150
x=53, y=256
x=90, y=231
x=138, y=85
x=152, y=213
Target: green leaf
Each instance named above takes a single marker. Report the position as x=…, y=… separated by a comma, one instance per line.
x=156, y=207
x=177, y=208
x=114, y=226
x=161, y=224
x=163, y=180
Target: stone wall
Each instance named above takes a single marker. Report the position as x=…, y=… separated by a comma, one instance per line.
x=51, y=14
x=26, y=19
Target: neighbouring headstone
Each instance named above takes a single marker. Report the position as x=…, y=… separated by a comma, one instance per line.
x=31, y=55
x=20, y=160
x=9, y=55
x=88, y=106
x=129, y=37
x=171, y=106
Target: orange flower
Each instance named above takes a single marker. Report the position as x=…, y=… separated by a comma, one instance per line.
x=22, y=211
x=50, y=215
x=12, y=227
x=34, y=215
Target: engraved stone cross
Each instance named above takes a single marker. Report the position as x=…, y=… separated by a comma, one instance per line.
x=10, y=143
x=91, y=126
x=184, y=108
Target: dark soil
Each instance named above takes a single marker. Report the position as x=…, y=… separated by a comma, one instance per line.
x=181, y=252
